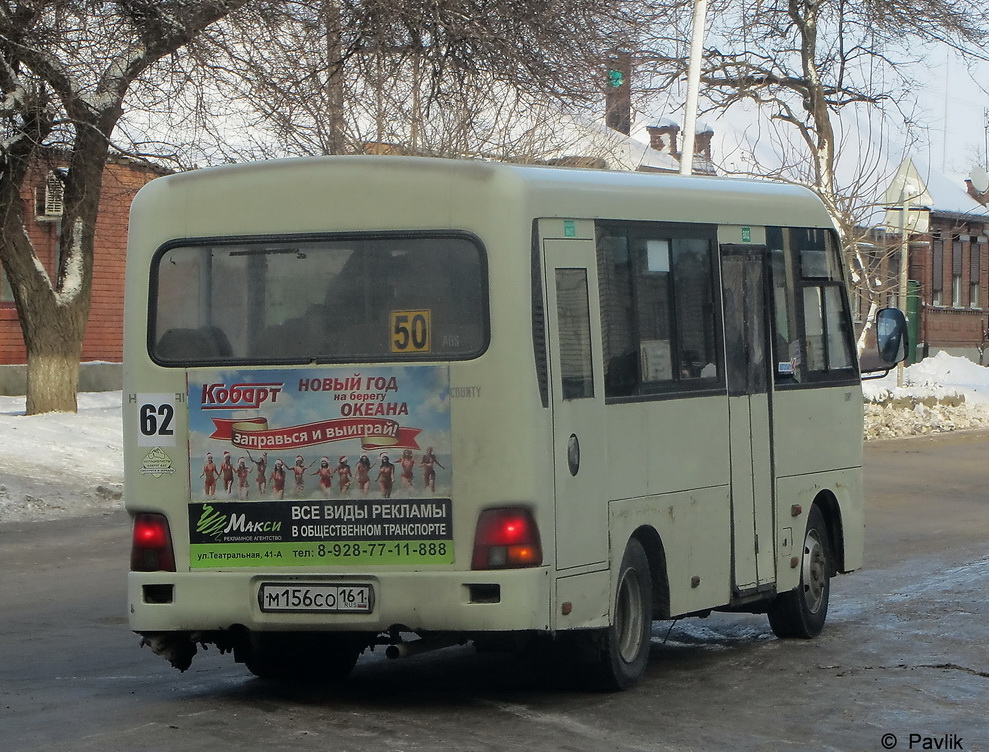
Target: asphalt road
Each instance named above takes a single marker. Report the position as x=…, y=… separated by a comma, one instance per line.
x=904, y=655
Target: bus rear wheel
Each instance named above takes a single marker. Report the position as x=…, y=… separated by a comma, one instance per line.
x=303, y=657
x=801, y=613
x=623, y=648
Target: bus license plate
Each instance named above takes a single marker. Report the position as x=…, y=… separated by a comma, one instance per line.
x=296, y=597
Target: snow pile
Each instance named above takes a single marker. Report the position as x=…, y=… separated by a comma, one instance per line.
x=63, y=465
x=941, y=393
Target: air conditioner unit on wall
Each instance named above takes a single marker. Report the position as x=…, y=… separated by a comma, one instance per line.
x=49, y=198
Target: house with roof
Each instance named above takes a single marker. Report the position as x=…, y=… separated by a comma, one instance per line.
x=948, y=267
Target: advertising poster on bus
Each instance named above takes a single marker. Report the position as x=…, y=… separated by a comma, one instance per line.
x=320, y=466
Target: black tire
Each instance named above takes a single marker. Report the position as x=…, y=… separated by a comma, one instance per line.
x=801, y=613
x=302, y=657
x=622, y=650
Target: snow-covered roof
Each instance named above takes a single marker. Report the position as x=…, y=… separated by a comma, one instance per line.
x=665, y=122
x=942, y=194
x=950, y=195
x=595, y=139
x=662, y=122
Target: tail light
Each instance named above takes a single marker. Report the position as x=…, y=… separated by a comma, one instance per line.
x=506, y=539
x=151, y=548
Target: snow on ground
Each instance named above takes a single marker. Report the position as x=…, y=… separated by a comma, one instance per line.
x=65, y=465
x=60, y=464
x=941, y=393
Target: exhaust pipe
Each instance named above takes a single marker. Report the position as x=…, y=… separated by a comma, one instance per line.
x=424, y=645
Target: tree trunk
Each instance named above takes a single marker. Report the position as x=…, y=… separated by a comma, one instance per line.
x=860, y=345
x=52, y=377
x=334, y=78
x=53, y=319
x=53, y=312
x=53, y=331
x=53, y=323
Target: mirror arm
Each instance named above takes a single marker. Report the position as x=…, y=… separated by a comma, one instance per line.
x=868, y=375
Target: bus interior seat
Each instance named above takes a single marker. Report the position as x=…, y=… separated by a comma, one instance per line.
x=276, y=341
x=220, y=338
x=305, y=336
x=622, y=374
x=204, y=343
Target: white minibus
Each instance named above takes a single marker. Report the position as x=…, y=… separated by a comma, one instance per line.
x=408, y=402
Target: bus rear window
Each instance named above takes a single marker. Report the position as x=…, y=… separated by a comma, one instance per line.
x=319, y=300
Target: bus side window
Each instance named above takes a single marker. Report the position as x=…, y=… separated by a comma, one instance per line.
x=809, y=333
x=657, y=308
x=787, y=351
x=621, y=347
x=574, y=316
x=828, y=348
x=693, y=307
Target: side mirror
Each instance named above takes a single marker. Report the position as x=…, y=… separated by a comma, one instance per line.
x=891, y=335
x=892, y=341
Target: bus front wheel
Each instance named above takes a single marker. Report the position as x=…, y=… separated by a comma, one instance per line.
x=801, y=613
x=623, y=648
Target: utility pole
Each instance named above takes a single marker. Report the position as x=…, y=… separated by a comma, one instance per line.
x=907, y=196
x=985, y=150
x=901, y=293
x=693, y=87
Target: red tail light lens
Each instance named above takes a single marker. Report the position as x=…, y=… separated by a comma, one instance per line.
x=506, y=539
x=151, y=547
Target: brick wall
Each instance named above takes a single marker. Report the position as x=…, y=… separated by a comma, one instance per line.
x=957, y=263
x=104, y=332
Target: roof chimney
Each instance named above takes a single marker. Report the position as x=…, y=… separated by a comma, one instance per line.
x=702, y=141
x=663, y=135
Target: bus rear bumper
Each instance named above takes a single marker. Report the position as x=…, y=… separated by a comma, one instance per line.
x=459, y=601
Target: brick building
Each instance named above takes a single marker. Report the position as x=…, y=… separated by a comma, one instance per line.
x=949, y=268
x=953, y=271
x=122, y=179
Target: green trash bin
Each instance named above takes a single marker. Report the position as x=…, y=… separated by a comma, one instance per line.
x=913, y=321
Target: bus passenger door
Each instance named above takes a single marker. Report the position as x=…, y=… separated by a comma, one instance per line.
x=577, y=401
x=744, y=280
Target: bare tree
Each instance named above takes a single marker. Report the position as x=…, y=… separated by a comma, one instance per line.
x=450, y=78
x=808, y=65
x=65, y=70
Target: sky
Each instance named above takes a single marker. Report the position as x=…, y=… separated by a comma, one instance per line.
x=69, y=465
x=958, y=114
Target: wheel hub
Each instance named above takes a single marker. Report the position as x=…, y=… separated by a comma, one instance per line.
x=815, y=574
x=628, y=619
